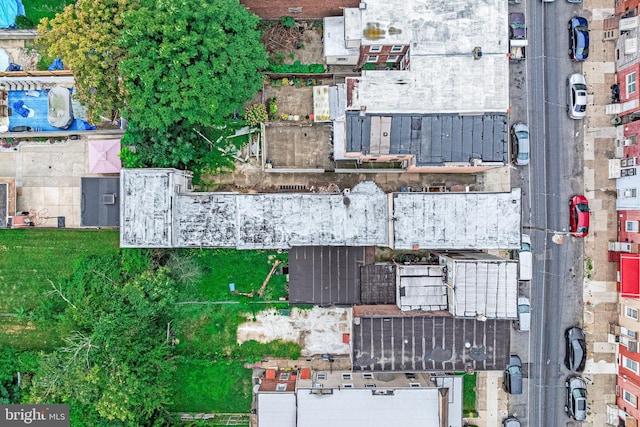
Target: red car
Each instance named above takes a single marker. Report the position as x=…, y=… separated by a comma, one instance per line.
x=579, y=221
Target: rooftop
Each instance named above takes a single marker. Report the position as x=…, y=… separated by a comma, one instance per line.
x=442, y=36
x=159, y=210
x=434, y=139
x=421, y=342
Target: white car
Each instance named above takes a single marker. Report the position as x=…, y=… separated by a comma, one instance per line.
x=524, y=315
x=576, y=96
x=525, y=259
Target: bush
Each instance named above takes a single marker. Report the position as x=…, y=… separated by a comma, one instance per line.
x=287, y=21
x=369, y=66
x=296, y=68
x=24, y=22
x=255, y=114
x=130, y=159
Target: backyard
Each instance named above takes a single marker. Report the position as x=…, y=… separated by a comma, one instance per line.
x=210, y=371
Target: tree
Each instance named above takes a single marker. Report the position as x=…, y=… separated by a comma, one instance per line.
x=86, y=36
x=116, y=367
x=190, y=64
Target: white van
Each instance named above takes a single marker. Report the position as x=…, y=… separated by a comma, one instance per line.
x=525, y=259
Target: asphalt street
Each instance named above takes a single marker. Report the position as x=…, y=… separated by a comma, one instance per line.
x=538, y=97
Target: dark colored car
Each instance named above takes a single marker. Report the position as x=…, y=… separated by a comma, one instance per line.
x=512, y=376
x=576, y=407
x=576, y=349
x=579, y=216
x=517, y=29
x=578, y=38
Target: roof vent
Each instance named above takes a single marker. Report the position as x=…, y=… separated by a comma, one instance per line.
x=362, y=6
x=109, y=199
x=477, y=52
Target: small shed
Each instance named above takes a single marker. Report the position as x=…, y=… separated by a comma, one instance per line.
x=104, y=156
x=100, y=202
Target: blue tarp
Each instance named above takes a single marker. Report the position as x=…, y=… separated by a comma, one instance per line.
x=18, y=108
x=9, y=9
x=56, y=65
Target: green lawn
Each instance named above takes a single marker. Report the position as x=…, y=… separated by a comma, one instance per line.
x=35, y=10
x=469, y=394
x=210, y=376
x=29, y=259
x=203, y=385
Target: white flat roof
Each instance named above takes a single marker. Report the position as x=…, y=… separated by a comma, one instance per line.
x=451, y=84
x=441, y=36
x=276, y=409
x=457, y=220
x=333, y=38
x=158, y=210
x=359, y=407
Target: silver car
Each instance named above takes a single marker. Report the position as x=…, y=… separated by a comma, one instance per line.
x=520, y=143
x=511, y=422
x=576, y=407
x=576, y=96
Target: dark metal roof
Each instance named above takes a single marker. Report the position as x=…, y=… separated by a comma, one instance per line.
x=435, y=138
x=325, y=275
x=96, y=207
x=378, y=284
x=429, y=343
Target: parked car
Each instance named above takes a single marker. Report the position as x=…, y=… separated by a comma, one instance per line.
x=524, y=315
x=510, y=422
x=576, y=96
x=512, y=376
x=576, y=349
x=525, y=259
x=578, y=38
x=579, y=216
x=517, y=29
x=576, y=407
x=520, y=143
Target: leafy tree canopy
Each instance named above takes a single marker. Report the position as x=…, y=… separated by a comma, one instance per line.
x=190, y=63
x=116, y=367
x=86, y=37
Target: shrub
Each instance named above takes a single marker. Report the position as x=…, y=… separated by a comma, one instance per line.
x=287, y=21
x=255, y=114
x=369, y=66
x=130, y=159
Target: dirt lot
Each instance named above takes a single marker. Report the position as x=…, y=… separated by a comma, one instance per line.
x=318, y=330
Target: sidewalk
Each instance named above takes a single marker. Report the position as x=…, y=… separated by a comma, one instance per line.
x=599, y=284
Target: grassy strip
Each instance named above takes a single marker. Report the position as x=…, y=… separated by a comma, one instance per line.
x=29, y=259
x=469, y=394
x=35, y=10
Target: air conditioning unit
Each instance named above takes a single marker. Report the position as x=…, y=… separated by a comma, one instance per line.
x=109, y=199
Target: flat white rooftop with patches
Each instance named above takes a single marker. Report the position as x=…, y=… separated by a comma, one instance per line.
x=158, y=209
x=443, y=76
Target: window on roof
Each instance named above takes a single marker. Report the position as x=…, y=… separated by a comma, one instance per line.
x=392, y=58
x=367, y=376
x=370, y=385
x=372, y=58
x=397, y=48
x=415, y=385
x=321, y=376
x=630, y=364
x=628, y=332
x=631, y=312
x=281, y=387
x=631, y=226
x=375, y=48
x=348, y=385
x=346, y=375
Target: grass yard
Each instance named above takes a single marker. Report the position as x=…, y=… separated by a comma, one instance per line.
x=35, y=10
x=210, y=376
x=203, y=385
x=29, y=259
x=469, y=395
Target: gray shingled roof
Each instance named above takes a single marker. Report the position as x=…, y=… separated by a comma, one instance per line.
x=96, y=207
x=434, y=139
